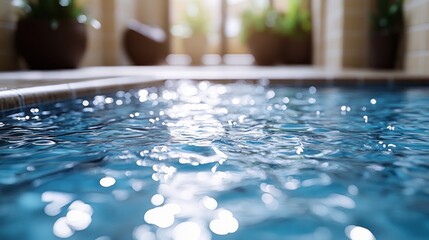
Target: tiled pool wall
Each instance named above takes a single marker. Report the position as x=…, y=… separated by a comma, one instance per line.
x=14, y=99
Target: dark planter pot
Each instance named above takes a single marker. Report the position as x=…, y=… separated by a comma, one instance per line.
x=144, y=44
x=45, y=45
x=297, y=49
x=384, y=50
x=264, y=46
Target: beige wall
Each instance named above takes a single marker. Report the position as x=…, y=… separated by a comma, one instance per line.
x=8, y=59
x=356, y=27
x=152, y=12
x=319, y=29
x=417, y=32
x=341, y=29
x=115, y=16
x=94, y=52
x=334, y=30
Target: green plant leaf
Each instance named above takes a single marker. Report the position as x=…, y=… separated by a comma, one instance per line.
x=388, y=16
x=51, y=10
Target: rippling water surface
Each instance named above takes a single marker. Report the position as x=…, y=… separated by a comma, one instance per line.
x=205, y=161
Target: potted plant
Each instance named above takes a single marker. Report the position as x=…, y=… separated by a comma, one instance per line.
x=259, y=32
x=294, y=26
x=51, y=34
x=387, y=25
x=197, y=22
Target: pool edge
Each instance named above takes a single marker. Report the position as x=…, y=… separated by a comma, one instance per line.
x=31, y=96
x=12, y=99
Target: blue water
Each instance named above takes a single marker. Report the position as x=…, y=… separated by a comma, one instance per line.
x=206, y=161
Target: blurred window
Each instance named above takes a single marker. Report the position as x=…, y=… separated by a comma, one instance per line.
x=221, y=21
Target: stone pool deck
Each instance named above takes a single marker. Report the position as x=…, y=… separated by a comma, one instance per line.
x=33, y=87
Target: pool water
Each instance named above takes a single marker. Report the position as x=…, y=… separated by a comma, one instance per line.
x=198, y=160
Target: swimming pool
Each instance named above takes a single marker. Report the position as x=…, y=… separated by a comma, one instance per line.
x=198, y=160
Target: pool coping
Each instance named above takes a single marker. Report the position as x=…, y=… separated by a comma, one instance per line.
x=30, y=96
x=124, y=78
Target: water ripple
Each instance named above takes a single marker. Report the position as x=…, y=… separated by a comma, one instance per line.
x=209, y=161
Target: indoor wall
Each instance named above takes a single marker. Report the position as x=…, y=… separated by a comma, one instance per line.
x=417, y=36
x=341, y=32
x=8, y=59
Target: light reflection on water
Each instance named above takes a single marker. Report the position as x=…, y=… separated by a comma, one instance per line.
x=209, y=161
x=78, y=218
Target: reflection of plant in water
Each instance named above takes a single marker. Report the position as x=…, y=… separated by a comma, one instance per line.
x=197, y=18
x=50, y=9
